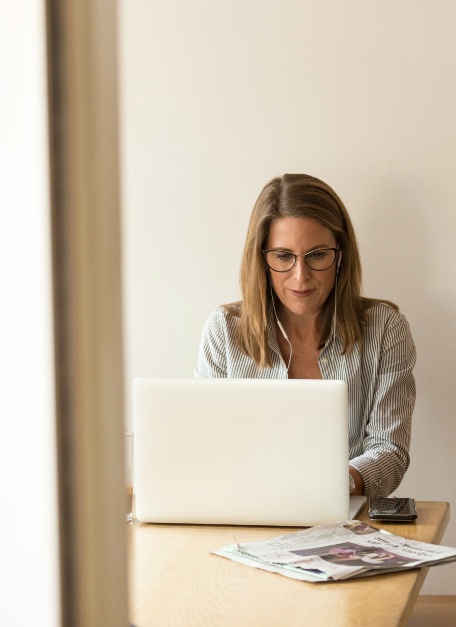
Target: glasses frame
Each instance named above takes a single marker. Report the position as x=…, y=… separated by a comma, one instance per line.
x=272, y=250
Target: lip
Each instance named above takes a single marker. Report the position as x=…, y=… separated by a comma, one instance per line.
x=302, y=293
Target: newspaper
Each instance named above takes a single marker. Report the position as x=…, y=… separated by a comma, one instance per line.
x=337, y=551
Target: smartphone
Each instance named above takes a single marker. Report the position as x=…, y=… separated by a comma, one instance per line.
x=392, y=508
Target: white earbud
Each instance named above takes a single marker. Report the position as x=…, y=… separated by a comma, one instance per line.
x=282, y=329
x=339, y=260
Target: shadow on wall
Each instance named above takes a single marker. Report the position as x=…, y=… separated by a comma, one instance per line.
x=408, y=258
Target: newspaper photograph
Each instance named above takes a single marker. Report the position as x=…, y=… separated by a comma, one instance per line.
x=337, y=551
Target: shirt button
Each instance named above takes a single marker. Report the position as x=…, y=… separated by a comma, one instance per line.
x=324, y=360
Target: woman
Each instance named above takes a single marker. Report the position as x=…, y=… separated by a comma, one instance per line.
x=302, y=316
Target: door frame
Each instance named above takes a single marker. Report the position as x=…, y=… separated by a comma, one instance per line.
x=86, y=242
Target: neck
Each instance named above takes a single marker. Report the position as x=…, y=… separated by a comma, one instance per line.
x=304, y=328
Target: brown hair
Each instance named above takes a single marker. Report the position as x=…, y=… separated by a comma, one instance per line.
x=299, y=196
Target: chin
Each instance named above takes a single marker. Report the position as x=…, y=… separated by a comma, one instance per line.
x=303, y=311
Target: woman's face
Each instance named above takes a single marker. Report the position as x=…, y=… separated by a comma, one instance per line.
x=301, y=291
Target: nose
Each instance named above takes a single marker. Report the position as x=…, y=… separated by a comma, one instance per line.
x=301, y=271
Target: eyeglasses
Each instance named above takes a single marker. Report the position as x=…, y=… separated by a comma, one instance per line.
x=284, y=260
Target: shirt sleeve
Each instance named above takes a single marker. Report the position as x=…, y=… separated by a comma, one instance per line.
x=212, y=359
x=387, y=437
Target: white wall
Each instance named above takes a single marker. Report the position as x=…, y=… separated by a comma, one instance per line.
x=29, y=533
x=218, y=97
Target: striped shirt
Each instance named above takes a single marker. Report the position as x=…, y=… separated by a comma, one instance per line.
x=381, y=386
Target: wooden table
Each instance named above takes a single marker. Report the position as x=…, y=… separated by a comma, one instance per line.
x=175, y=581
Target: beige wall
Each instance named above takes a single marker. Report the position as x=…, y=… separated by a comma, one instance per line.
x=218, y=97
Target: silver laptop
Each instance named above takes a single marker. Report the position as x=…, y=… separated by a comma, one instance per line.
x=241, y=451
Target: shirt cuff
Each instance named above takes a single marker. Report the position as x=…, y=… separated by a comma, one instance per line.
x=371, y=476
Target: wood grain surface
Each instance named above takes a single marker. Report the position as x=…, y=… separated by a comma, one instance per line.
x=175, y=581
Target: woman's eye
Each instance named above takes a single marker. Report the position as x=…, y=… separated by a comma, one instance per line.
x=284, y=256
x=318, y=254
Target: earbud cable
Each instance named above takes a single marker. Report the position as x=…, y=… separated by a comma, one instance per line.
x=279, y=324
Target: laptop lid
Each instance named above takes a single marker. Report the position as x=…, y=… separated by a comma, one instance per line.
x=241, y=451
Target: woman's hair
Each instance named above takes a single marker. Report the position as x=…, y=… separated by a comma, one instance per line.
x=299, y=196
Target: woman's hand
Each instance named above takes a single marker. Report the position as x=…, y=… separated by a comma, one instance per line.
x=359, y=483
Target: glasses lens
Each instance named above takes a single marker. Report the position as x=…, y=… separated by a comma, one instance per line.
x=321, y=259
x=280, y=260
